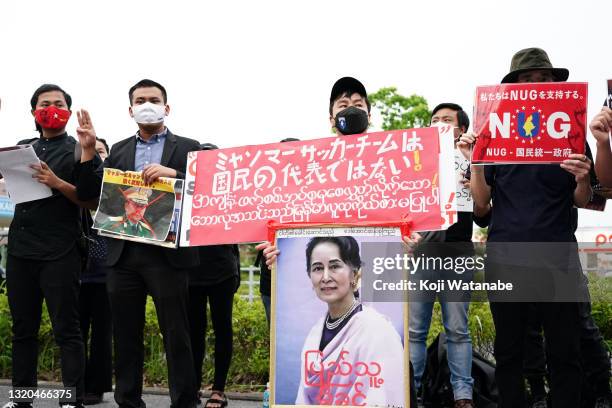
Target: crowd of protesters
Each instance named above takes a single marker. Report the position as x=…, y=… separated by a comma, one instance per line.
x=96, y=288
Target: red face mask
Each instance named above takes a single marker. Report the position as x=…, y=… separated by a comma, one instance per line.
x=52, y=117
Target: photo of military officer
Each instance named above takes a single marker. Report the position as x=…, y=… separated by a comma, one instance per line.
x=137, y=211
x=133, y=222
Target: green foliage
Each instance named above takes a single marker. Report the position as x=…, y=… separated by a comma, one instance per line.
x=249, y=369
x=399, y=111
x=480, y=323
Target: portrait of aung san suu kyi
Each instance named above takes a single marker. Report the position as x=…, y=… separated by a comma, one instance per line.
x=352, y=354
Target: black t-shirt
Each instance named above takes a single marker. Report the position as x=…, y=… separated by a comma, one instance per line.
x=47, y=229
x=217, y=264
x=486, y=219
x=531, y=203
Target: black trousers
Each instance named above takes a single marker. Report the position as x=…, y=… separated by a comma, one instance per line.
x=57, y=282
x=96, y=328
x=561, y=323
x=221, y=299
x=594, y=355
x=534, y=355
x=141, y=271
x=595, y=358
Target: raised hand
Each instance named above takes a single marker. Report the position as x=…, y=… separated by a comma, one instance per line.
x=86, y=132
x=601, y=125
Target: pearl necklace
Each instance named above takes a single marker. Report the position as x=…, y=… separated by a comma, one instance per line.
x=335, y=324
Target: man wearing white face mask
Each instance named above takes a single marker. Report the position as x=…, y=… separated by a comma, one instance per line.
x=137, y=269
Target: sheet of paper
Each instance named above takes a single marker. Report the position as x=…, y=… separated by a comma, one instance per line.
x=446, y=178
x=15, y=167
x=464, y=196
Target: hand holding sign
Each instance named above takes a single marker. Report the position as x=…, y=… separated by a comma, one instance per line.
x=270, y=252
x=465, y=143
x=529, y=123
x=579, y=165
x=46, y=176
x=152, y=172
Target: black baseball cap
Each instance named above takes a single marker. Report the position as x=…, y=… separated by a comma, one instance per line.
x=208, y=146
x=347, y=84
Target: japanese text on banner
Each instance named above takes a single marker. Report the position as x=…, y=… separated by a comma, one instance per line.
x=382, y=176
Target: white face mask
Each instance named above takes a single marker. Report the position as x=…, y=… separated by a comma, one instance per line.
x=149, y=113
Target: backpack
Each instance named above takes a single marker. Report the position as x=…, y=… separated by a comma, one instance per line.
x=437, y=389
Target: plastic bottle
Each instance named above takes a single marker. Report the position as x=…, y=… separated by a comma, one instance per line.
x=266, y=396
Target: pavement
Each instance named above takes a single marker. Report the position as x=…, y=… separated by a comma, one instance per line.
x=153, y=398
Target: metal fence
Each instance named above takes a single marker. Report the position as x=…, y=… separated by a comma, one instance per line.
x=251, y=282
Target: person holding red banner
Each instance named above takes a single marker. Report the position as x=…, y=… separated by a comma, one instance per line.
x=532, y=203
x=601, y=126
x=214, y=282
x=349, y=113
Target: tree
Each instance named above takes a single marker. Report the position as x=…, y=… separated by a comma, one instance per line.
x=399, y=111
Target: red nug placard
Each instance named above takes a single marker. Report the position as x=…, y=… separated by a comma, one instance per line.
x=529, y=123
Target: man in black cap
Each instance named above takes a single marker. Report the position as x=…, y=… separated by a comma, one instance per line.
x=349, y=114
x=349, y=107
x=533, y=203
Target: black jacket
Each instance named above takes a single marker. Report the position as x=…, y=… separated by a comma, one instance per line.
x=121, y=157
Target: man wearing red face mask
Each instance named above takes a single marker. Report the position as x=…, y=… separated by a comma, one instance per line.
x=44, y=261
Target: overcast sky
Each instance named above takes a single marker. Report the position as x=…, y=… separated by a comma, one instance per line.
x=249, y=72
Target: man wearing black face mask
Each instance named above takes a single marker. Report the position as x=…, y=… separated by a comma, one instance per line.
x=349, y=107
x=349, y=114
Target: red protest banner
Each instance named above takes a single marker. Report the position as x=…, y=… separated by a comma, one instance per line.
x=529, y=123
x=383, y=177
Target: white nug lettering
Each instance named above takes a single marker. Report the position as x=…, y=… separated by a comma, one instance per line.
x=564, y=128
x=503, y=126
x=496, y=151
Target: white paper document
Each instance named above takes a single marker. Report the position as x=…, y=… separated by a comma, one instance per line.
x=464, y=196
x=15, y=167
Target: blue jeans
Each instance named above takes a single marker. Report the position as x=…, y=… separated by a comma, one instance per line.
x=266, y=300
x=459, y=343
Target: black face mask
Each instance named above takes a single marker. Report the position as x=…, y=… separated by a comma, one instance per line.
x=352, y=121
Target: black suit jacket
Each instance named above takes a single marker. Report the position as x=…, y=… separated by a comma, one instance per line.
x=122, y=157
